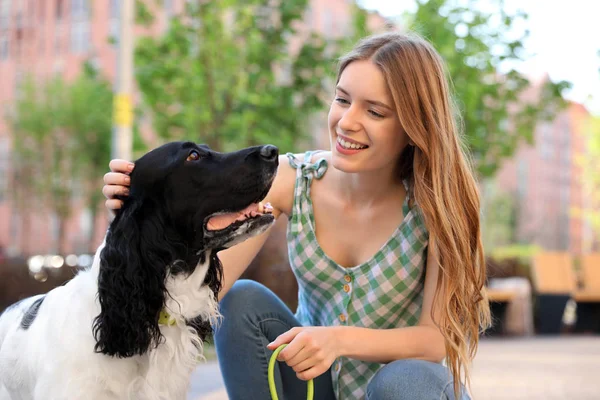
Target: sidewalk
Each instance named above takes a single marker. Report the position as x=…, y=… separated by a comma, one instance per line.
x=533, y=368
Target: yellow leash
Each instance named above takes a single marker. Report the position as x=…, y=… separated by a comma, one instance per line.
x=270, y=376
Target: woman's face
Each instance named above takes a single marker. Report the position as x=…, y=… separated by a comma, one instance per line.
x=364, y=130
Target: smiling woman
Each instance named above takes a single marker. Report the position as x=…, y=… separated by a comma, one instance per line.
x=383, y=237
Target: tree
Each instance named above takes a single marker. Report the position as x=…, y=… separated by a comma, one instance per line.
x=590, y=166
x=224, y=73
x=475, y=44
x=29, y=124
x=43, y=150
x=62, y=146
x=88, y=119
x=499, y=217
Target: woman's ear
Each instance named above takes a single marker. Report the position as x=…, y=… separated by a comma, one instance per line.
x=131, y=282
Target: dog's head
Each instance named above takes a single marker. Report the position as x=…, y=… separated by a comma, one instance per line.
x=210, y=198
x=186, y=202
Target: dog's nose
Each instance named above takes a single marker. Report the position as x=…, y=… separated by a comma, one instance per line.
x=269, y=152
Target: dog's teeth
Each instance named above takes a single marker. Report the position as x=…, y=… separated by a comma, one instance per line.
x=265, y=208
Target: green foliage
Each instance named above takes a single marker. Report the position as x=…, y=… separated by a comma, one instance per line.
x=223, y=74
x=29, y=125
x=590, y=166
x=523, y=253
x=475, y=43
x=88, y=119
x=499, y=217
x=62, y=136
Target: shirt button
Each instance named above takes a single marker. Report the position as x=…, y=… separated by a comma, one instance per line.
x=346, y=288
x=348, y=278
x=342, y=318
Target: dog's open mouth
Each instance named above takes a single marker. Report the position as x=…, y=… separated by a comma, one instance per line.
x=223, y=220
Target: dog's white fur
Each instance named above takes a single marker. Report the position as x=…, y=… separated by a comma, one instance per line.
x=54, y=359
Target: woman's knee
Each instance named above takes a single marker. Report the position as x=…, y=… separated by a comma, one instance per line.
x=410, y=379
x=244, y=295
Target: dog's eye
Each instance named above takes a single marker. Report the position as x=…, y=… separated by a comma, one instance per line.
x=194, y=156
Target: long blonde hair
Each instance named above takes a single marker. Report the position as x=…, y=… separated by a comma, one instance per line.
x=442, y=184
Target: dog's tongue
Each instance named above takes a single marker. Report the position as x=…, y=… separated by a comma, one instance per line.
x=222, y=221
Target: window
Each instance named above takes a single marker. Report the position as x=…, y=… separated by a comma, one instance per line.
x=60, y=10
x=42, y=11
x=31, y=12
x=114, y=9
x=328, y=23
x=58, y=68
x=546, y=141
x=58, y=39
x=4, y=13
x=18, y=84
x=54, y=231
x=168, y=6
x=80, y=26
x=309, y=18
x=113, y=25
x=4, y=50
x=80, y=36
x=522, y=178
x=80, y=9
x=41, y=38
x=85, y=224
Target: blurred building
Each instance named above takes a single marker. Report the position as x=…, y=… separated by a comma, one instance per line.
x=545, y=182
x=55, y=37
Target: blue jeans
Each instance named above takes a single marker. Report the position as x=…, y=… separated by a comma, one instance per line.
x=254, y=316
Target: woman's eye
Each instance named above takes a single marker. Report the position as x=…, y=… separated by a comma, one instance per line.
x=194, y=156
x=375, y=114
x=341, y=100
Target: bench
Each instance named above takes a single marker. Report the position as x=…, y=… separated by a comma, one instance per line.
x=554, y=283
x=499, y=300
x=587, y=296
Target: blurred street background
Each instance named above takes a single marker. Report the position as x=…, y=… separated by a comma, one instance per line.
x=84, y=81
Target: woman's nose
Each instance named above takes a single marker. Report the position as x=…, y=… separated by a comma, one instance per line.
x=349, y=120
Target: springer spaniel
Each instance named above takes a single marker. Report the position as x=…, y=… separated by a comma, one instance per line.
x=131, y=326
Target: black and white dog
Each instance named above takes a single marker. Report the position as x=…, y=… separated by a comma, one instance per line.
x=131, y=327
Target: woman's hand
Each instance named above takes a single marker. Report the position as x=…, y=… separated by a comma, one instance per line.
x=310, y=351
x=116, y=183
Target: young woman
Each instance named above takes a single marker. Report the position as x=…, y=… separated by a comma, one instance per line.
x=383, y=237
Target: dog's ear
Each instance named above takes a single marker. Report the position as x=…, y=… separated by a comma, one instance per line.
x=131, y=281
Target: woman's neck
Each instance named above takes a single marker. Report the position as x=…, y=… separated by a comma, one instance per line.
x=369, y=188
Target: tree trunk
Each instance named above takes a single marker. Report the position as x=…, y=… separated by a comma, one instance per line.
x=62, y=239
x=25, y=231
x=92, y=244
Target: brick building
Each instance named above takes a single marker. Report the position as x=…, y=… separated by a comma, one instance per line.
x=545, y=182
x=50, y=37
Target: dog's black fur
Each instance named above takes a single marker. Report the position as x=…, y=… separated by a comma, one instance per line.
x=160, y=231
x=31, y=313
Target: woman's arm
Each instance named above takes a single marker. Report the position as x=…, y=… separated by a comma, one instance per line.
x=236, y=259
x=312, y=350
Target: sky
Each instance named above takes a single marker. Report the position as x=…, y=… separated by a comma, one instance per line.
x=563, y=42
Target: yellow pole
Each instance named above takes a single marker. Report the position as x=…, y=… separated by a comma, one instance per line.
x=122, y=141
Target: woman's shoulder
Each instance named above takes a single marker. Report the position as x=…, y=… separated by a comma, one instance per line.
x=281, y=195
x=297, y=159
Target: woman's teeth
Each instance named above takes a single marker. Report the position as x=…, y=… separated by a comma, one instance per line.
x=350, y=146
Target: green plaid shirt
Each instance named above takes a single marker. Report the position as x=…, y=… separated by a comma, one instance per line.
x=384, y=292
